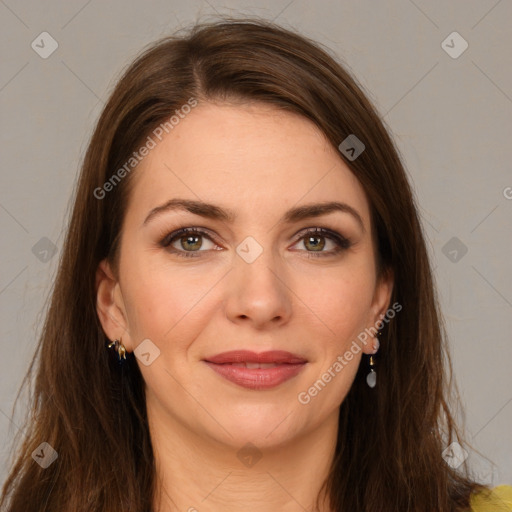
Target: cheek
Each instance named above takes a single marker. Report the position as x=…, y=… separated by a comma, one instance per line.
x=342, y=302
x=163, y=300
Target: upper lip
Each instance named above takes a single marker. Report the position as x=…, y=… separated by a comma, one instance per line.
x=248, y=356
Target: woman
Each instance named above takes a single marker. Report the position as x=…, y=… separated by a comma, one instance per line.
x=245, y=245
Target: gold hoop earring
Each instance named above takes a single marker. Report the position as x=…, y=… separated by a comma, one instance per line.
x=119, y=348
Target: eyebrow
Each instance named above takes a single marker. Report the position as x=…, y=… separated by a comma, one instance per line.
x=212, y=211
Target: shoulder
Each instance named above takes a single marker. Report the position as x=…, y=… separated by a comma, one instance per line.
x=498, y=499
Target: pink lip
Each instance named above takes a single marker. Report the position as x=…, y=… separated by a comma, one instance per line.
x=289, y=365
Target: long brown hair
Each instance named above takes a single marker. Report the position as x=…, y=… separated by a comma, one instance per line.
x=92, y=411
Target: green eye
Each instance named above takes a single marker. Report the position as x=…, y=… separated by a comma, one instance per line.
x=314, y=239
x=189, y=238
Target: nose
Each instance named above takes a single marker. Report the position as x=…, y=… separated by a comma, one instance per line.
x=258, y=293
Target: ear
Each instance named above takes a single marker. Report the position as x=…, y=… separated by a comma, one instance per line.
x=110, y=306
x=380, y=303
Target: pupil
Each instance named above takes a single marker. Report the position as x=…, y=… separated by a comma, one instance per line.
x=316, y=245
x=191, y=239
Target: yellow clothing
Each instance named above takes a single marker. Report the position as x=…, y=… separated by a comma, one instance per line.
x=498, y=500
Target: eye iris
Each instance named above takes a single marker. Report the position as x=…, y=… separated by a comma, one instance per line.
x=316, y=247
x=186, y=239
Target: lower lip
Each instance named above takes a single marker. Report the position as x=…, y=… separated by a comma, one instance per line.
x=257, y=378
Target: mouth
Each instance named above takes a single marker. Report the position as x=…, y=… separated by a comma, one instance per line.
x=255, y=371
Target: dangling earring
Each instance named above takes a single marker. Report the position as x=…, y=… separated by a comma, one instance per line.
x=119, y=348
x=371, y=378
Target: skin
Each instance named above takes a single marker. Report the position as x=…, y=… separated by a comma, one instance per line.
x=258, y=162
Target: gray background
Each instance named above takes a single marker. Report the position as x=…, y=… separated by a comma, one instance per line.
x=451, y=118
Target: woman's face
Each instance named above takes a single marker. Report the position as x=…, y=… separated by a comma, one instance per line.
x=250, y=275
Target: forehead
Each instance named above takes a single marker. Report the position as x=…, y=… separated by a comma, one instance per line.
x=252, y=158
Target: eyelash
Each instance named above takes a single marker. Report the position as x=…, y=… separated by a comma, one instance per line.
x=341, y=242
